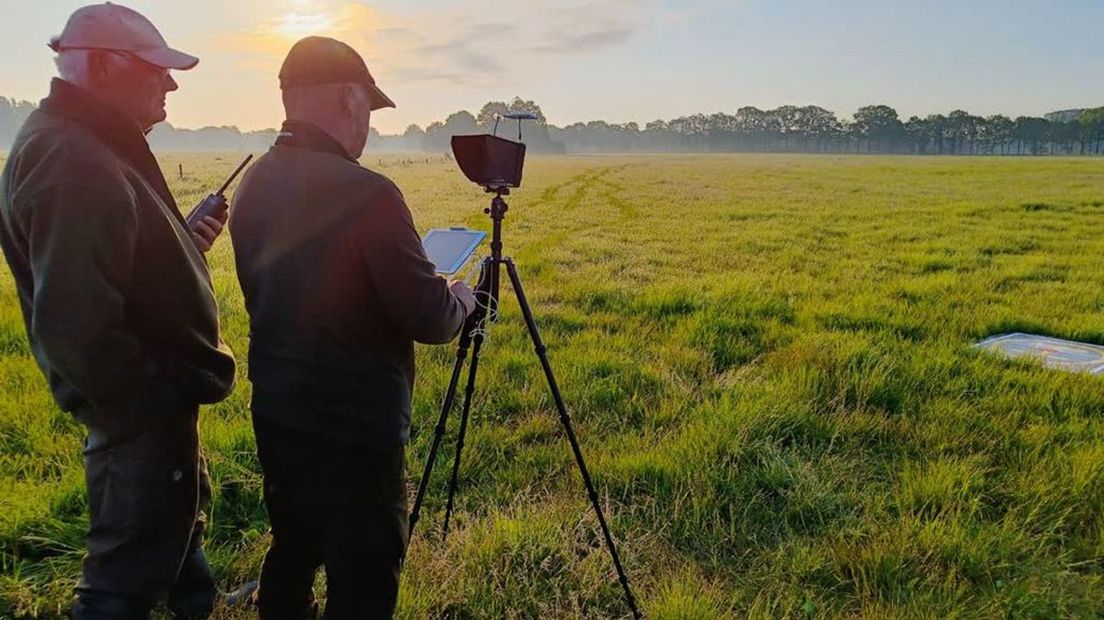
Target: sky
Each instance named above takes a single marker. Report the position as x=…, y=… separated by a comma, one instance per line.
x=614, y=60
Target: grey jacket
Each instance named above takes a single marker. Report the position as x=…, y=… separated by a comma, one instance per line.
x=117, y=300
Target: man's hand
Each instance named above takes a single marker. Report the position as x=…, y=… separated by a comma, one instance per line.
x=208, y=229
x=463, y=294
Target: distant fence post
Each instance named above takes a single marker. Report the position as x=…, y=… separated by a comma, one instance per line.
x=181, y=171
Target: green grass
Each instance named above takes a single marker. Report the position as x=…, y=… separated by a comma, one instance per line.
x=768, y=362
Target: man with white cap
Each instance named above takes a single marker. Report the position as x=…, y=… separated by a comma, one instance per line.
x=119, y=310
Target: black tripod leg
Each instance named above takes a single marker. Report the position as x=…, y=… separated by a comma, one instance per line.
x=446, y=406
x=542, y=353
x=469, y=390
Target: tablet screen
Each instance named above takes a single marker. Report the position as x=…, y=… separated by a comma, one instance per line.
x=449, y=248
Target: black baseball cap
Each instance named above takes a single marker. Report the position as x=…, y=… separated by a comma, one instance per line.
x=322, y=60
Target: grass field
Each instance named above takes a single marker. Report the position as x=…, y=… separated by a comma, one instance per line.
x=768, y=363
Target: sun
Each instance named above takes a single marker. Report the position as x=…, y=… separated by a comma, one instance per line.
x=296, y=25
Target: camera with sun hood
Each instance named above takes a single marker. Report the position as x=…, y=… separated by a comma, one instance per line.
x=492, y=161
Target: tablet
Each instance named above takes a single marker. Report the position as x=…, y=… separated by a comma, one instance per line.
x=450, y=248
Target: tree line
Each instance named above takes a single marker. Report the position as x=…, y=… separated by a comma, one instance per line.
x=787, y=129
x=872, y=129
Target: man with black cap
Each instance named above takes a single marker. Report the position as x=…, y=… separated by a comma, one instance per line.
x=119, y=310
x=338, y=289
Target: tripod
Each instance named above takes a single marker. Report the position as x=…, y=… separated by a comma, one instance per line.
x=472, y=337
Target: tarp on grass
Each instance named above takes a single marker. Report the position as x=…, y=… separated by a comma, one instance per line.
x=1052, y=352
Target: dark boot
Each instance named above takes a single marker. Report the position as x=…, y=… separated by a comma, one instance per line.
x=192, y=596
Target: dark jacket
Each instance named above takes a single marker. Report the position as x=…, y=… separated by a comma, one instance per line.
x=338, y=289
x=117, y=300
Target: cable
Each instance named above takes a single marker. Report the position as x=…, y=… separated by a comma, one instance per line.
x=483, y=301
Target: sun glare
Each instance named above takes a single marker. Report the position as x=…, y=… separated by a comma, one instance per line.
x=298, y=25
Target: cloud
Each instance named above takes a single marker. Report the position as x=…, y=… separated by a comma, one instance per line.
x=394, y=32
x=462, y=47
x=587, y=27
x=584, y=42
x=677, y=17
x=462, y=54
x=423, y=74
x=493, y=29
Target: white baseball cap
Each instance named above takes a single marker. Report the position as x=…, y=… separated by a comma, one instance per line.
x=114, y=27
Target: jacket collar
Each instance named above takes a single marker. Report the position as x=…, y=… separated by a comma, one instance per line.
x=121, y=134
x=308, y=136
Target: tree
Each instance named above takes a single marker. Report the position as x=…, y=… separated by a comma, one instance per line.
x=787, y=120
x=756, y=126
x=996, y=131
x=534, y=133
x=938, y=131
x=880, y=125
x=818, y=124
x=964, y=129
x=12, y=116
x=918, y=132
x=658, y=137
x=436, y=140
x=489, y=113
x=1092, y=128
x=1063, y=135
x=1030, y=132
x=412, y=139
x=522, y=105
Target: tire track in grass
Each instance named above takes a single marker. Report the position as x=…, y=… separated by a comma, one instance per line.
x=614, y=191
x=579, y=186
x=552, y=192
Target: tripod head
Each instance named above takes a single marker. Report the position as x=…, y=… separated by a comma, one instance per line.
x=498, y=207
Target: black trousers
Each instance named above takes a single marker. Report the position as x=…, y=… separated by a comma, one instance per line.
x=147, y=484
x=333, y=505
